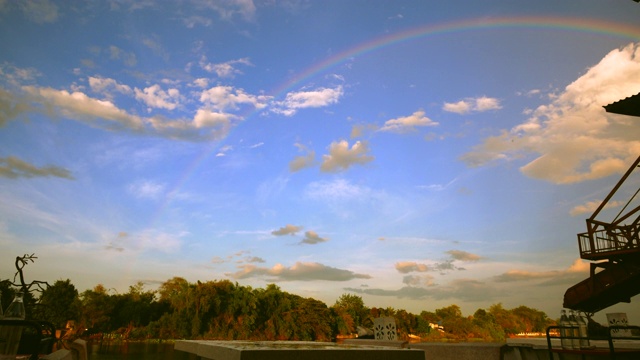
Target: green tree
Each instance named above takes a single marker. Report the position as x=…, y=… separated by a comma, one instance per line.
x=351, y=309
x=533, y=320
x=406, y=323
x=60, y=303
x=96, y=309
x=455, y=325
x=506, y=319
x=488, y=327
x=449, y=312
x=133, y=309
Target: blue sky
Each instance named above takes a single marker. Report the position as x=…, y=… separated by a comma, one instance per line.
x=418, y=154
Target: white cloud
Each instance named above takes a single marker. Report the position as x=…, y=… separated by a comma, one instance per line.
x=405, y=267
x=227, y=97
x=146, y=240
x=154, y=97
x=105, y=86
x=201, y=82
x=155, y=45
x=230, y=8
x=579, y=268
x=15, y=75
x=407, y=123
x=341, y=157
x=302, y=161
x=479, y=104
x=287, y=230
x=591, y=206
x=40, y=11
x=360, y=130
x=225, y=69
x=206, y=118
x=147, y=189
x=461, y=289
x=224, y=150
x=572, y=137
x=485, y=104
x=312, y=238
x=79, y=106
x=460, y=107
x=308, y=99
x=463, y=255
x=206, y=124
x=128, y=58
x=193, y=21
x=418, y=280
x=254, y=259
x=300, y=271
x=339, y=189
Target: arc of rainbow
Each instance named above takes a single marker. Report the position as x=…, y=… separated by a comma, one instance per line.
x=594, y=26
x=586, y=25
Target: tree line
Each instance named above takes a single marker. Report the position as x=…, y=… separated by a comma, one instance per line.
x=225, y=310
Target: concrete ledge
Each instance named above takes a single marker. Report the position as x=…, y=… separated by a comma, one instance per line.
x=78, y=352
x=63, y=354
x=460, y=351
x=80, y=348
x=292, y=350
x=373, y=342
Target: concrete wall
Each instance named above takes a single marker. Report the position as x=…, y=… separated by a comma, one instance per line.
x=460, y=351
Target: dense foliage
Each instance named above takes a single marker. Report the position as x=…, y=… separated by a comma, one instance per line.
x=226, y=310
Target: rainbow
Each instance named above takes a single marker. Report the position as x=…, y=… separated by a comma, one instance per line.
x=571, y=24
x=593, y=26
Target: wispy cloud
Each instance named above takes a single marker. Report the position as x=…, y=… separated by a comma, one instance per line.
x=463, y=255
x=591, y=206
x=147, y=189
x=228, y=10
x=336, y=190
x=226, y=69
x=443, y=267
x=300, y=271
x=146, y=240
x=468, y=105
x=107, y=86
x=578, y=269
x=405, y=267
x=459, y=289
x=12, y=167
x=287, y=230
x=193, y=21
x=408, y=123
x=302, y=161
x=419, y=280
x=128, y=58
x=39, y=11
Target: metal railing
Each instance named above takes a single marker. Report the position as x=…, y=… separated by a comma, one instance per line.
x=606, y=241
x=554, y=332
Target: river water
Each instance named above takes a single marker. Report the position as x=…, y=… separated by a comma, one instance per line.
x=136, y=351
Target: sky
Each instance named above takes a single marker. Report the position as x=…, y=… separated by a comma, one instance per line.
x=415, y=153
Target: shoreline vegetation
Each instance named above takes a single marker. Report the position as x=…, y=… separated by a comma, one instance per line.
x=223, y=310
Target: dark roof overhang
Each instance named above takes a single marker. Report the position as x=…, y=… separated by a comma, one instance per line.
x=629, y=106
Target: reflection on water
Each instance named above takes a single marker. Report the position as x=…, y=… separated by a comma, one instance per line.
x=135, y=351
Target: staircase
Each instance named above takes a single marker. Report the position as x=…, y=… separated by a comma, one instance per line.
x=614, y=249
